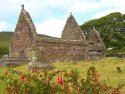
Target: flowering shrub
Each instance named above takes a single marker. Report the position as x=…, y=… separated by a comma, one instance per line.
x=55, y=82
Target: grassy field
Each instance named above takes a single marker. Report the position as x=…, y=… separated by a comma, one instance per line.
x=105, y=67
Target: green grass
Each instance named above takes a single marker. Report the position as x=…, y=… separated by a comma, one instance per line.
x=105, y=67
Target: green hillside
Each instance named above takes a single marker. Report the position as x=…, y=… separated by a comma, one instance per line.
x=111, y=28
x=5, y=38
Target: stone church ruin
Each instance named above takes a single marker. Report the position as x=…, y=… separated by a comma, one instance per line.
x=72, y=46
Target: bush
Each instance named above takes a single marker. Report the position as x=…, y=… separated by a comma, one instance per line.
x=55, y=82
x=3, y=50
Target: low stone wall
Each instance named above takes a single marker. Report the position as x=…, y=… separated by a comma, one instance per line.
x=13, y=61
x=116, y=55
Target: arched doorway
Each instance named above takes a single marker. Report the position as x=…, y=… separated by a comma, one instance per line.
x=22, y=53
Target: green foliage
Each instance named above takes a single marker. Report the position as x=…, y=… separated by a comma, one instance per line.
x=5, y=38
x=111, y=28
x=3, y=50
x=56, y=82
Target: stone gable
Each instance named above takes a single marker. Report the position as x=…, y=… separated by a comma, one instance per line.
x=96, y=46
x=95, y=40
x=24, y=36
x=71, y=30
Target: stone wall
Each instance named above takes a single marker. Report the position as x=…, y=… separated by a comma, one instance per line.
x=13, y=61
x=61, y=50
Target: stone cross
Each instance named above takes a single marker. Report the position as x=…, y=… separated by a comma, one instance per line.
x=22, y=6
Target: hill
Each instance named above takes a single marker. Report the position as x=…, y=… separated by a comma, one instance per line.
x=5, y=38
x=111, y=28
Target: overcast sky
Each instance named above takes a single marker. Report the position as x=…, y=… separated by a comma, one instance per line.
x=49, y=16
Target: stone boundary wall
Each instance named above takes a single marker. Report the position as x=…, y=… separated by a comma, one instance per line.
x=13, y=61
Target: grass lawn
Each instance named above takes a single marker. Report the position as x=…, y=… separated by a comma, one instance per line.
x=105, y=67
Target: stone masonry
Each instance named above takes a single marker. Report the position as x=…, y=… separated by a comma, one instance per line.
x=24, y=36
x=72, y=46
x=72, y=31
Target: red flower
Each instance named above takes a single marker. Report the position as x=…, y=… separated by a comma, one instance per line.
x=25, y=93
x=60, y=80
x=33, y=70
x=8, y=88
x=52, y=90
x=23, y=78
x=97, y=78
x=16, y=89
x=116, y=91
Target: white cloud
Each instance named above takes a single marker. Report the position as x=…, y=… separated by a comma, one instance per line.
x=52, y=27
x=108, y=6
x=38, y=6
x=3, y=25
x=112, y=3
x=43, y=12
x=106, y=12
x=83, y=6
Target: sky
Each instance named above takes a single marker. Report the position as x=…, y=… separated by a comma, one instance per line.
x=49, y=16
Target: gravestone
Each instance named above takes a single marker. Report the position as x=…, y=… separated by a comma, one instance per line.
x=119, y=69
x=42, y=64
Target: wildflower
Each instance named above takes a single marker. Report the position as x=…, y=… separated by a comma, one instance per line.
x=97, y=78
x=6, y=72
x=16, y=89
x=115, y=91
x=78, y=89
x=52, y=90
x=23, y=78
x=47, y=81
x=67, y=89
x=8, y=88
x=33, y=70
x=60, y=80
x=24, y=92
